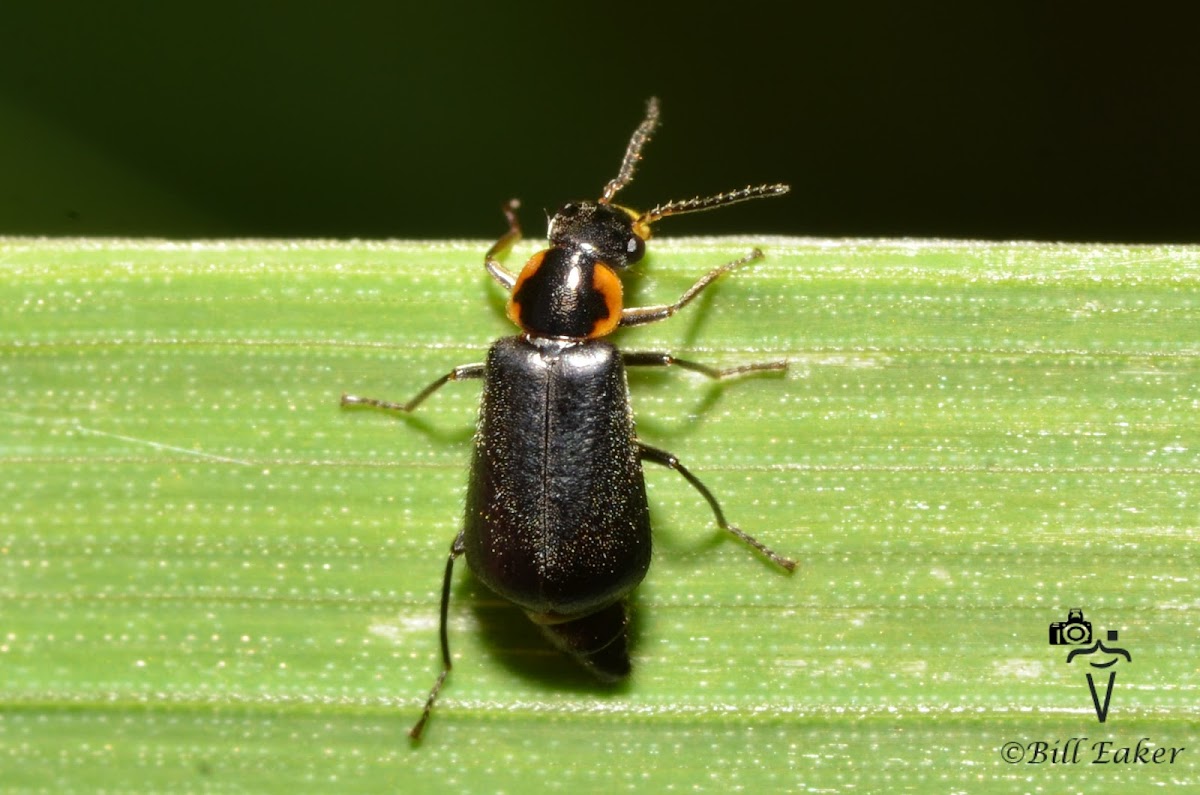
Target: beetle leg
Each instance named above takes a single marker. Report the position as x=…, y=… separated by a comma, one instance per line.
x=663, y=359
x=461, y=373
x=506, y=241
x=456, y=549
x=662, y=457
x=638, y=315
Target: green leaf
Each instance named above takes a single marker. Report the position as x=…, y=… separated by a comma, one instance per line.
x=212, y=578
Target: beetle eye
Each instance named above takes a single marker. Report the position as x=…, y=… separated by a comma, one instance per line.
x=570, y=208
x=635, y=247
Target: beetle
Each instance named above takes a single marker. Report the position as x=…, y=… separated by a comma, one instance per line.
x=557, y=520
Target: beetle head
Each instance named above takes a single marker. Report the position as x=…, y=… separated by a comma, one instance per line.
x=600, y=232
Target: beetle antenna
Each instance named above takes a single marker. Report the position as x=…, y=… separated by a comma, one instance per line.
x=698, y=203
x=633, y=152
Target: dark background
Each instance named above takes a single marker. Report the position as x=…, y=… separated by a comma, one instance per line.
x=1054, y=120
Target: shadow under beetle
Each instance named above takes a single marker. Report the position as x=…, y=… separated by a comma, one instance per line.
x=556, y=518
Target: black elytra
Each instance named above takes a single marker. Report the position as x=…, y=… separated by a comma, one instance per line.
x=557, y=520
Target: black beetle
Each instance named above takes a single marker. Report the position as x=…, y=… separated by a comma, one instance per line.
x=556, y=519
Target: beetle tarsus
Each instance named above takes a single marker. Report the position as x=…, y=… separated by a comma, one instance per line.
x=664, y=359
x=456, y=549
x=461, y=373
x=664, y=458
x=510, y=238
x=639, y=315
